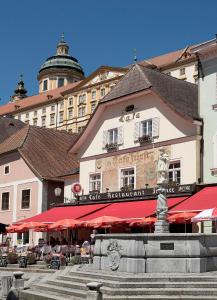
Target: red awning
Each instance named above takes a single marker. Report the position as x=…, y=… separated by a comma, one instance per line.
x=65, y=212
x=204, y=199
x=133, y=209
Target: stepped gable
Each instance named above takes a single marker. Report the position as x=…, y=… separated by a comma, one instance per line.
x=180, y=95
x=44, y=150
x=9, y=126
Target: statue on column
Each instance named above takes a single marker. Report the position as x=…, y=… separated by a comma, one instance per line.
x=162, y=180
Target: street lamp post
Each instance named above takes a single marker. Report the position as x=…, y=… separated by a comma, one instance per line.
x=162, y=225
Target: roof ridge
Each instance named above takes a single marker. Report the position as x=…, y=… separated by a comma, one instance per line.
x=138, y=66
x=119, y=82
x=27, y=133
x=170, y=77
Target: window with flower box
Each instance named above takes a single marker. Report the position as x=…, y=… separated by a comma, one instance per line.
x=112, y=138
x=127, y=179
x=146, y=130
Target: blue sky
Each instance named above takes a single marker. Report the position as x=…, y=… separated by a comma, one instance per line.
x=98, y=32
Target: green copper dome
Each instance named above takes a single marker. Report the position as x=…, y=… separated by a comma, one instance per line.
x=62, y=59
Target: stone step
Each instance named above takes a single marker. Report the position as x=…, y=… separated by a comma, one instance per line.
x=31, y=270
x=150, y=297
x=145, y=284
x=67, y=284
x=141, y=278
x=37, y=295
x=163, y=291
x=59, y=290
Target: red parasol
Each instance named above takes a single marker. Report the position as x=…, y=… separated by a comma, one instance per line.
x=12, y=228
x=181, y=217
x=30, y=225
x=144, y=221
x=64, y=224
x=103, y=221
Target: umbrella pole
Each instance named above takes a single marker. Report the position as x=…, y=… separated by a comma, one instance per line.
x=185, y=226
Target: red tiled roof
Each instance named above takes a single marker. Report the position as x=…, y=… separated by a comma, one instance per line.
x=44, y=150
x=35, y=100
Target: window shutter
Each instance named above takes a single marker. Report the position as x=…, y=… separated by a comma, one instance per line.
x=137, y=131
x=155, y=127
x=120, y=135
x=105, y=137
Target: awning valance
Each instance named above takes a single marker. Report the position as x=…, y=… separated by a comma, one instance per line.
x=131, y=209
x=124, y=210
x=204, y=199
x=65, y=212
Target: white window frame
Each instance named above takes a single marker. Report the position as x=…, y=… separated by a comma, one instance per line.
x=72, y=113
x=8, y=165
x=43, y=118
x=82, y=98
x=102, y=89
x=114, y=139
x=46, y=79
x=52, y=108
x=61, y=105
x=147, y=133
x=30, y=199
x=138, y=127
x=93, y=98
x=52, y=116
x=8, y=201
x=176, y=169
x=43, y=110
x=35, y=120
x=83, y=109
x=120, y=175
x=61, y=117
x=70, y=101
x=58, y=81
x=89, y=182
x=93, y=104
